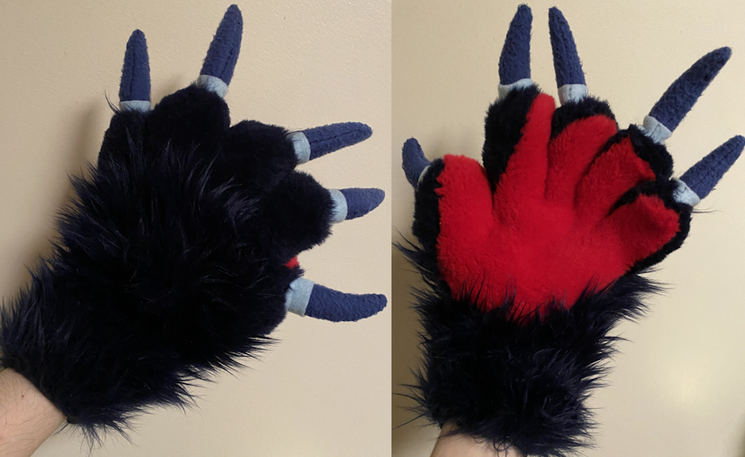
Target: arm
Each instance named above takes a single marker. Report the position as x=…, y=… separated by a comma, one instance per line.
x=458, y=445
x=27, y=418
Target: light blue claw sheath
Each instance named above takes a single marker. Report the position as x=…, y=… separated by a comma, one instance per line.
x=670, y=110
x=304, y=297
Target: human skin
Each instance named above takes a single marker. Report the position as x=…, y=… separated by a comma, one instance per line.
x=27, y=417
x=459, y=445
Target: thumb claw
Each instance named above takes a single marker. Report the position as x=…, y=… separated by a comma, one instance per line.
x=413, y=161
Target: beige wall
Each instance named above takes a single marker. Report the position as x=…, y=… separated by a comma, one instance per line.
x=323, y=390
x=677, y=387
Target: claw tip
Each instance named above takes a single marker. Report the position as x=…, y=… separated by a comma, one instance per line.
x=413, y=161
x=222, y=55
x=682, y=94
x=331, y=305
x=135, y=82
x=329, y=138
x=514, y=62
x=704, y=175
x=567, y=64
x=361, y=201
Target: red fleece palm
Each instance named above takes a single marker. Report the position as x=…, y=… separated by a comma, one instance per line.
x=548, y=229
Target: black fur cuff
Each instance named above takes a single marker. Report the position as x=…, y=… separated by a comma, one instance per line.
x=518, y=383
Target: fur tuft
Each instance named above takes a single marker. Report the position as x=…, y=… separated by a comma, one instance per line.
x=522, y=383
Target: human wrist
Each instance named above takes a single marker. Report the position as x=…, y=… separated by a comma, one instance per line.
x=451, y=443
x=27, y=417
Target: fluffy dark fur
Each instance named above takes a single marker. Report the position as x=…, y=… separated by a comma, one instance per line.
x=521, y=383
x=503, y=129
x=661, y=162
x=169, y=265
x=576, y=110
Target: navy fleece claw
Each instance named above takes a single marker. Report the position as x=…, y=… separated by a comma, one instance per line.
x=225, y=47
x=414, y=161
x=335, y=306
x=680, y=97
x=330, y=138
x=361, y=201
x=135, y=83
x=704, y=175
x=566, y=60
x=514, y=63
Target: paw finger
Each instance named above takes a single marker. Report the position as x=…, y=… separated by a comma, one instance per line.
x=610, y=176
x=644, y=229
x=518, y=124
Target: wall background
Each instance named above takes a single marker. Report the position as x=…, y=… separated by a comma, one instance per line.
x=676, y=388
x=323, y=390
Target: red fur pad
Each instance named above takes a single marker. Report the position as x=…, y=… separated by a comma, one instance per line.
x=293, y=263
x=548, y=230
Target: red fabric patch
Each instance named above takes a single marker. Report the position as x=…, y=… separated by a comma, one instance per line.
x=546, y=233
x=292, y=263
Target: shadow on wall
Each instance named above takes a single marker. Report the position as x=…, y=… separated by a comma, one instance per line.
x=82, y=150
x=407, y=426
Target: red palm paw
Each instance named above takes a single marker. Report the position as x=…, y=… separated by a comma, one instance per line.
x=547, y=229
x=565, y=202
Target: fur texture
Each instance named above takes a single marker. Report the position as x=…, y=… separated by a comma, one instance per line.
x=170, y=262
x=522, y=383
x=531, y=261
x=550, y=227
x=505, y=120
